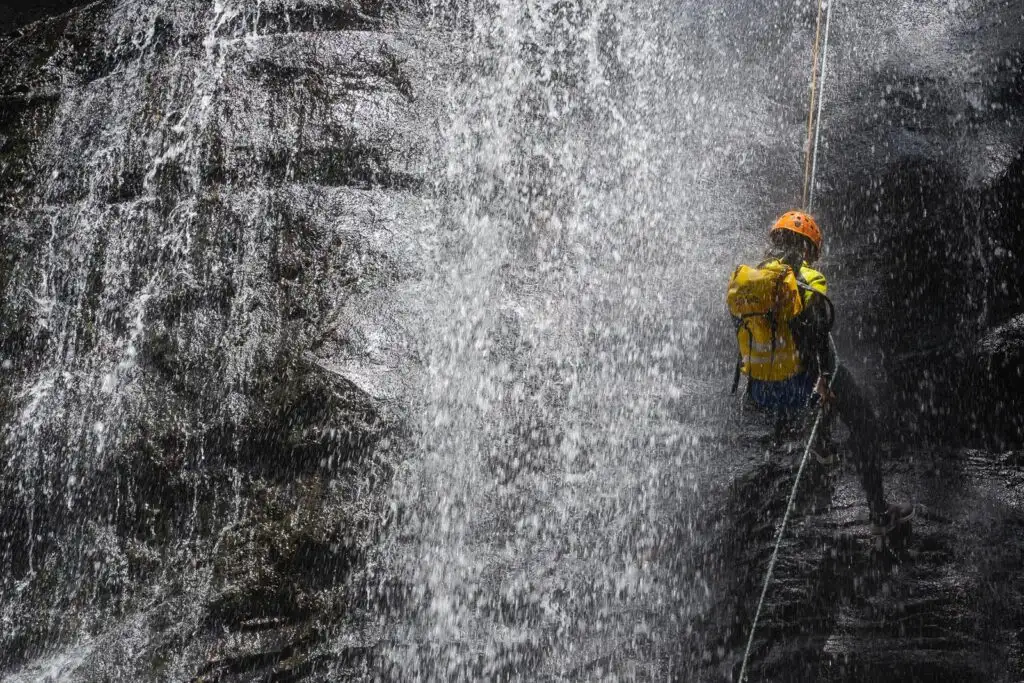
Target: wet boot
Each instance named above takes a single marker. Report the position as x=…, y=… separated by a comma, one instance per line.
x=894, y=523
x=824, y=448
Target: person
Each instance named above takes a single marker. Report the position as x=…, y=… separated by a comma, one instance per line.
x=799, y=367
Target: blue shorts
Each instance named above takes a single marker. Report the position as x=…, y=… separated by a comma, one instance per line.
x=791, y=394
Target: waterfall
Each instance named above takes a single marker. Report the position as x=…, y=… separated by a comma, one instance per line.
x=547, y=518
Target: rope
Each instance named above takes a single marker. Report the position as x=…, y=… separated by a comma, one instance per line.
x=810, y=109
x=820, y=414
x=778, y=542
x=821, y=101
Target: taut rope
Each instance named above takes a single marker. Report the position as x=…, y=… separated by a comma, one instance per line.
x=817, y=99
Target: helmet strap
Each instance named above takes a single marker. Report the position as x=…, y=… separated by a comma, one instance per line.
x=810, y=251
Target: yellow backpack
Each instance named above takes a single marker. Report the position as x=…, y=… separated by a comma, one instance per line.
x=764, y=300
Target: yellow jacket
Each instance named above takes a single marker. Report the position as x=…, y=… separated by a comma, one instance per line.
x=769, y=351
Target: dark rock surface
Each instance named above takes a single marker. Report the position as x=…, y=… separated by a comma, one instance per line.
x=930, y=133
x=921, y=187
x=14, y=14
x=208, y=220
x=944, y=604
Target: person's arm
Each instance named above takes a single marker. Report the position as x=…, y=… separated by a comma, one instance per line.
x=818, y=329
x=813, y=325
x=821, y=327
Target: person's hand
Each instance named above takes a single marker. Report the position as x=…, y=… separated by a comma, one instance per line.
x=824, y=392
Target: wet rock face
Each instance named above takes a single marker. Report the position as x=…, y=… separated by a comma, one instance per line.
x=925, y=186
x=921, y=189
x=942, y=604
x=16, y=15
x=206, y=221
x=949, y=288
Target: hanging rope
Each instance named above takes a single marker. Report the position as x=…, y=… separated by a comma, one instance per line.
x=821, y=101
x=778, y=542
x=818, y=63
x=810, y=170
x=811, y=109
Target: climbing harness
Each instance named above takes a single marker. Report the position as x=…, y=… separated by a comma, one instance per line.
x=817, y=97
x=810, y=169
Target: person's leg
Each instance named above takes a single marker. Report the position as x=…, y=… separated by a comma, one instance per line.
x=857, y=414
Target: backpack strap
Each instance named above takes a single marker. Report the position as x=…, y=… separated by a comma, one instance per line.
x=802, y=284
x=739, y=357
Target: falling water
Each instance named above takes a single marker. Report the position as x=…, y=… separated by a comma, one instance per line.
x=118, y=211
x=563, y=432
x=549, y=519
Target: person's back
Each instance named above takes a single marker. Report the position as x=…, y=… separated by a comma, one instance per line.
x=800, y=351
x=798, y=366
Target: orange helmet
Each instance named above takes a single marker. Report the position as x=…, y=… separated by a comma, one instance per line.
x=802, y=224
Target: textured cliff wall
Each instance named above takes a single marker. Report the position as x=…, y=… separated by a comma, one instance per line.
x=210, y=215
x=925, y=175
x=920, y=191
